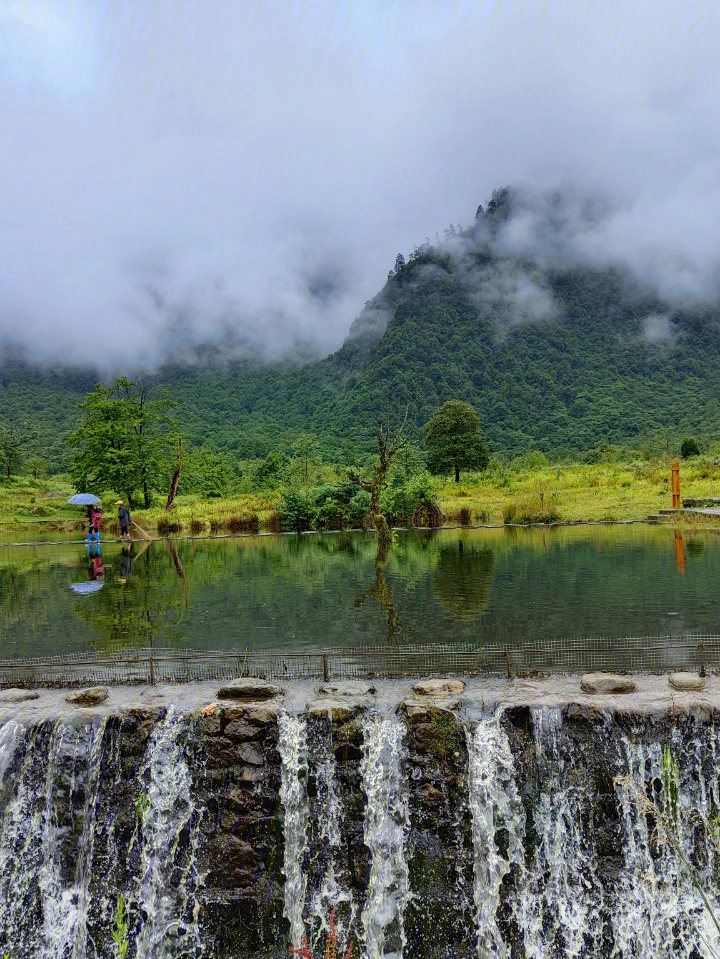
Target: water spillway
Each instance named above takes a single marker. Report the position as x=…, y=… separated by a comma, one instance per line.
x=510, y=820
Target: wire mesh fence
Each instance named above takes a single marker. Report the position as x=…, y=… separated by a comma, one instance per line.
x=645, y=654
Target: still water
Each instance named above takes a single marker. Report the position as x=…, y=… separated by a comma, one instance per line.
x=300, y=592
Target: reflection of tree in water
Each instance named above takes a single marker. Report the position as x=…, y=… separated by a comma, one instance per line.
x=462, y=579
x=146, y=610
x=382, y=591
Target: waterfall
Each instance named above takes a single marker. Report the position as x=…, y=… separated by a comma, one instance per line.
x=292, y=745
x=21, y=847
x=331, y=891
x=658, y=911
x=66, y=891
x=387, y=822
x=559, y=901
x=167, y=868
x=495, y=805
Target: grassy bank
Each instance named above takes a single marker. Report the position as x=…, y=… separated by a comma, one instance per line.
x=522, y=491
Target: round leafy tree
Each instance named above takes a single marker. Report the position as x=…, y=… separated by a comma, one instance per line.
x=689, y=447
x=454, y=441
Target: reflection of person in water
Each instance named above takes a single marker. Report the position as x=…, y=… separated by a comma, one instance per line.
x=126, y=562
x=96, y=569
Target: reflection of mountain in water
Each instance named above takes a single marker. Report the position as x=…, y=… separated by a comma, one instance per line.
x=462, y=579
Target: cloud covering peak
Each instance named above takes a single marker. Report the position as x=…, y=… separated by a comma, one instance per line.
x=180, y=172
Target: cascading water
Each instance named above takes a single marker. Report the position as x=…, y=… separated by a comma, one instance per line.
x=564, y=863
x=495, y=806
x=386, y=825
x=559, y=899
x=66, y=892
x=292, y=745
x=167, y=880
x=658, y=911
x=332, y=892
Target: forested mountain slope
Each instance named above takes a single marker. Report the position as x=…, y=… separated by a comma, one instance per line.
x=562, y=355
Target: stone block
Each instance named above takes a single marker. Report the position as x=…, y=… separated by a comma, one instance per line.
x=249, y=688
x=88, y=697
x=349, y=688
x=686, y=682
x=606, y=683
x=440, y=687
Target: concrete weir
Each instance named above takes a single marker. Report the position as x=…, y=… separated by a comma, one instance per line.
x=439, y=819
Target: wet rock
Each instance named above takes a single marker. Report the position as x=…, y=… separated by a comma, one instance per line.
x=580, y=713
x=440, y=687
x=431, y=796
x=345, y=752
x=606, y=683
x=240, y=730
x=209, y=725
x=336, y=709
x=220, y=752
x=262, y=714
x=17, y=696
x=88, y=697
x=424, y=710
x=250, y=754
x=249, y=688
x=686, y=682
x=349, y=688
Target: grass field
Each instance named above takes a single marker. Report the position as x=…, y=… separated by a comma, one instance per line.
x=568, y=492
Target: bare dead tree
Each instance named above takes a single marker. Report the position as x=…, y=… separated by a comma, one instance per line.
x=176, y=477
x=388, y=447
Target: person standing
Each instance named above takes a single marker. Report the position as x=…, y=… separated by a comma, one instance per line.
x=123, y=519
x=95, y=523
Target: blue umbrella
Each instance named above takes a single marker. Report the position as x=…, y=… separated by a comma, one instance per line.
x=90, y=587
x=84, y=499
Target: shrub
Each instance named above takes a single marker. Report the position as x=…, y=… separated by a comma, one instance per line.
x=272, y=471
x=331, y=506
x=243, y=523
x=689, y=447
x=166, y=526
x=197, y=527
x=530, y=511
x=273, y=522
x=414, y=503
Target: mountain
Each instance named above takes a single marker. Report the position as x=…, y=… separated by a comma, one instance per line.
x=555, y=354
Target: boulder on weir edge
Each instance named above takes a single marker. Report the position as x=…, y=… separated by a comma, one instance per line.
x=249, y=688
x=440, y=687
x=338, y=710
x=17, y=696
x=349, y=688
x=686, y=682
x=606, y=683
x=88, y=697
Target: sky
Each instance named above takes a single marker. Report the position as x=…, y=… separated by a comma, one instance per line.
x=177, y=173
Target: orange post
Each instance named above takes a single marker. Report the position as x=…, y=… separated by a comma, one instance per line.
x=675, y=484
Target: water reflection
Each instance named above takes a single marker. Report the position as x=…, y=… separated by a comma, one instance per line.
x=288, y=592
x=462, y=579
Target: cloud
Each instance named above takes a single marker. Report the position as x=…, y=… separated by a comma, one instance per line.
x=657, y=328
x=178, y=174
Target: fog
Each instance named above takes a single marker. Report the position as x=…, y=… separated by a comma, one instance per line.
x=180, y=174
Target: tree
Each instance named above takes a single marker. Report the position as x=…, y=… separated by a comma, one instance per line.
x=125, y=441
x=388, y=448
x=17, y=442
x=36, y=466
x=305, y=450
x=689, y=447
x=454, y=441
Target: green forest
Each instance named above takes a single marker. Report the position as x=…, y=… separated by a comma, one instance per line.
x=601, y=360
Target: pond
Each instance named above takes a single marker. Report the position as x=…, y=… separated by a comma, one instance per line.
x=314, y=591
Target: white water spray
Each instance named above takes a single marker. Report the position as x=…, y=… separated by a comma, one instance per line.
x=495, y=805
x=164, y=885
x=292, y=745
x=387, y=822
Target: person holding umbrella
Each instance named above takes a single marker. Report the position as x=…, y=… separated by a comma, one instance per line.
x=94, y=513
